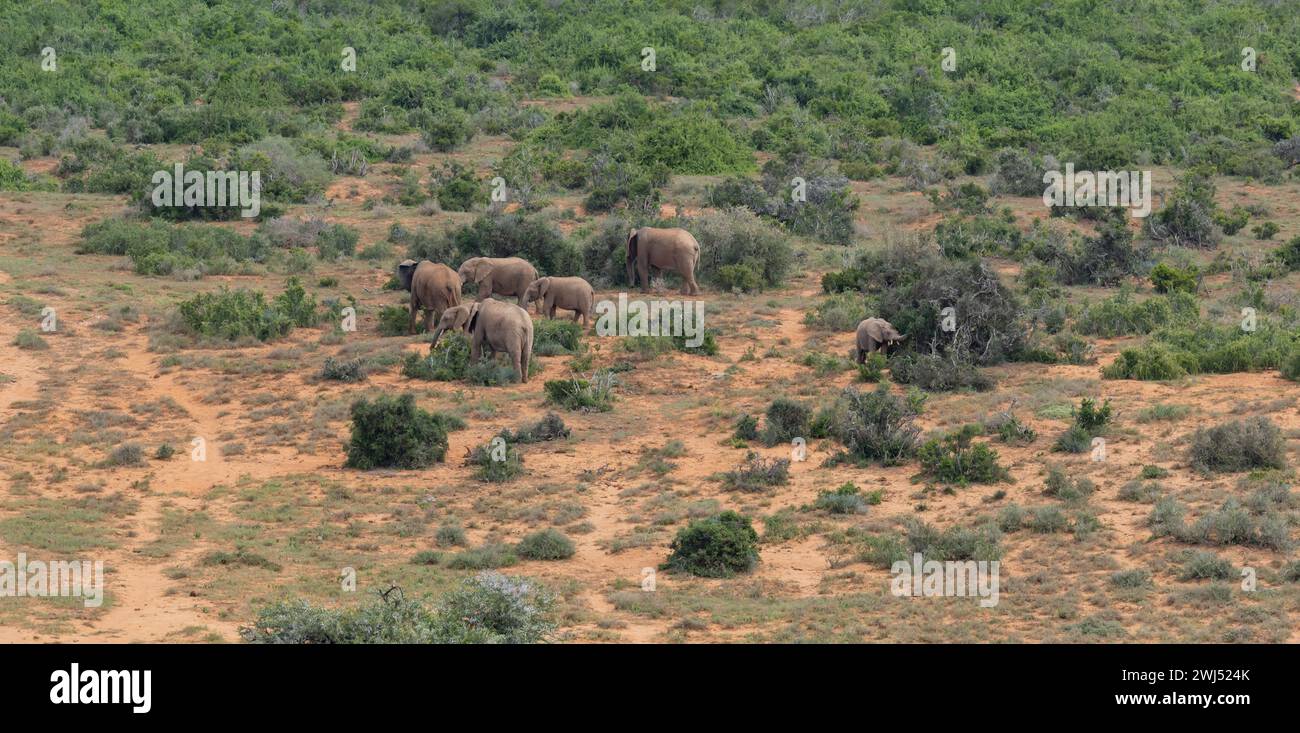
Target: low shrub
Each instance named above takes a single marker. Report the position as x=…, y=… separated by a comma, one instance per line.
x=846, y=499
x=717, y=547
x=575, y=393
x=486, y=609
x=874, y=427
x=548, y=544
x=550, y=427
x=786, y=420
x=757, y=473
x=343, y=371
x=1238, y=445
x=392, y=432
x=955, y=459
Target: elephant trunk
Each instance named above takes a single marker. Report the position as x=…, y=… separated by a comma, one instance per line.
x=437, y=334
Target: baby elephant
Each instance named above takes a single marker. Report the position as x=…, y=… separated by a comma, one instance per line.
x=877, y=334
x=569, y=293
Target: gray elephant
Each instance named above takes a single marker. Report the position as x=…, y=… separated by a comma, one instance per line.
x=494, y=325
x=433, y=287
x=663, y=249
x=498, y=276
x=876, y=334
x=569, y=293
x=455, y=318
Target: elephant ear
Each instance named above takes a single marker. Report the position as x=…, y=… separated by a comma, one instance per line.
x=543, y=287
x=631, y=244
x=405, y=271
x=473, y=318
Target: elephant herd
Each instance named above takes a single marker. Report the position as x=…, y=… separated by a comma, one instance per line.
x=501, y=326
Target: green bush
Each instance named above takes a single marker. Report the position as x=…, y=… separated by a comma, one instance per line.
x=486, y=609
x=738, y=237
x=1238, y=445
x=343, y=371
x=392, y=432
x=555, y=337
x=757, y=473
x=548, y=544
x=235, y=314
x=1166, y=278
x=1203, y=565
x=550, y=427
x=456, y=188
x=847, y=499
x=579, y=394
x=717, y=547
x=448, y=361
x=496, y=464
x=955, y=459
x=874, y=427
x=786, y=420
x=938, y=372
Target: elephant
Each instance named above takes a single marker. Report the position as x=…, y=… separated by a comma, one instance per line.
x=455, y=318
x=496, y=325
x=570, y=293
x=664, y=249
x=876, y=334
x=499, y=275
x=433, y=287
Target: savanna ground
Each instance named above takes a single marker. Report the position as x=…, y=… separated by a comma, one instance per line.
x=273, y=481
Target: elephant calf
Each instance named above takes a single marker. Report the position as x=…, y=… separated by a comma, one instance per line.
x=663, y=249
x=876, y=334
x=433, y=287
x=569, y=293
x=495, y=325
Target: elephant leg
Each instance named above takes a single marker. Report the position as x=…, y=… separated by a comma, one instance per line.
x=521, y=365
x=643, y=269
x=410, y=321
x=861, y=356
x=429, y=317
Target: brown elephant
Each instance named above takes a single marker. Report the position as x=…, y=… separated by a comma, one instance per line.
x=433, y=287
x=498, y=276
x=569, y=293
x=495, y=325
x=876, y=334
x=663, y=249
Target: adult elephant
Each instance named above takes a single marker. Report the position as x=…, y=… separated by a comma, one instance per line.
x=498, y=276
x=663, y=249
x=494, y=325
x=876, y=334
x=569, y=293
x=434, y=287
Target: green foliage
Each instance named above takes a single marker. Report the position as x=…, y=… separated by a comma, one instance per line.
x=786, y=420
x=1169, y=279
x=188, y=250
x=555, y=337
x=550, y=427
x=738, y=237
x=548, y=544
x=237, y=314
x=717, y=547
x=874, y=426
x=486, y=609
x=757, y=473
x=343, y=371
x=1238, y=445
x=392, y=432
x=456, y=188
x=596, y=395
x=496, y=463
x=847, y=499
x=1120, y=315
x=954, y=458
